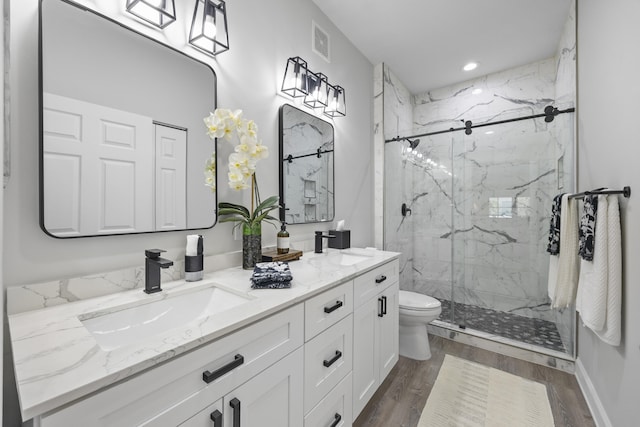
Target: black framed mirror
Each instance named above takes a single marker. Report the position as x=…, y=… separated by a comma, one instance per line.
x=122, y=142
x=306, y=167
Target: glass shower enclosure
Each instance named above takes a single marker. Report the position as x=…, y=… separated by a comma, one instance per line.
x=474, y=228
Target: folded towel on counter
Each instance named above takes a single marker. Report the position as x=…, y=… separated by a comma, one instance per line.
x=554, y=227
x=271, y=275
x=568, y=260
x=587, y=230
x=599, y=299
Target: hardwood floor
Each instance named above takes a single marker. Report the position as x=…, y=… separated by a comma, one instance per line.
x=401, y=397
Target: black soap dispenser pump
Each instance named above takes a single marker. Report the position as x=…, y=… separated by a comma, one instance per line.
x=283, y=240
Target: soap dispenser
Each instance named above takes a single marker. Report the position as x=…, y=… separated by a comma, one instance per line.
x=193, y=260
x=283, y=239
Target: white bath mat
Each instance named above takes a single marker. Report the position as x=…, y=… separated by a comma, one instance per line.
x=468, y=394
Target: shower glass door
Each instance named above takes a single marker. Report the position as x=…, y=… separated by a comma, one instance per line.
x=504, y=178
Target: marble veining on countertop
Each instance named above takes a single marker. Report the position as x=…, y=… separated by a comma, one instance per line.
x=57, y=360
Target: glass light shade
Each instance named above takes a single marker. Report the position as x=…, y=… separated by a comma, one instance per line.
x=337, y=105
x=318, y=96
x=296, y=78
x=209, y=27
x=157, y=12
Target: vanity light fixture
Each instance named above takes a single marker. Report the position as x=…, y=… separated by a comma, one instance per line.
x=157, y=12
x=296, y=78
x=337, y=105
x=318, y=96
x=209, y=31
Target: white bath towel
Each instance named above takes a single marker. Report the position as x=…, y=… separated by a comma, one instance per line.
x=599, y=298
x=568, y=260
x=553, y=276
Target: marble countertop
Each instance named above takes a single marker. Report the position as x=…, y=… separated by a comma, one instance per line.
x=57, y=360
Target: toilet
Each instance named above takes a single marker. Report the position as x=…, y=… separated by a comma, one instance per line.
x=416, y=311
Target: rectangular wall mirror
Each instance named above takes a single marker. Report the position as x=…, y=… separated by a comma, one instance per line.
x=122, y=143
x=306, y=167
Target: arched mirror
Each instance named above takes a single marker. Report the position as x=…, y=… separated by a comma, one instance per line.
x=123, y=145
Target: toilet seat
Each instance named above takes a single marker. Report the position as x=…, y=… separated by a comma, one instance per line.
x=413, y=301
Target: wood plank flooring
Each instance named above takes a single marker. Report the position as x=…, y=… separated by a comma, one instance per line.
x=401, y=397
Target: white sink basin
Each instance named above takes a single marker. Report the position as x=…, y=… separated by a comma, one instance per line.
x=131, y=325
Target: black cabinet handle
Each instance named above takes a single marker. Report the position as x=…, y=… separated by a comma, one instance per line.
x=207, y=376
x=381, y=278
x=380, y=313
x=334, y=307
x=336, y=421
x=328, y=363
x=384, y=305
x=235, y=404
x=216, y=417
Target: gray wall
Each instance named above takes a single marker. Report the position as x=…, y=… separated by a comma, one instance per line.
x=608, y=108
x=262, y=36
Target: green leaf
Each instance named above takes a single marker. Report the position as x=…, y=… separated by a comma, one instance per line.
x=232, y=219
x=237, y=208
x=270, y=204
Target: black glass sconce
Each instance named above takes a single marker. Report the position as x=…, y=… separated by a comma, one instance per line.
x=296, y=78
x=337, y=104
x=209, y=31
x=157, y=12
x=318, y=96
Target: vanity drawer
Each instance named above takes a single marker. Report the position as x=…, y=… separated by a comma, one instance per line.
x=180, y=381
x=335, y=409
x=327, y=359
x=327, y=309
x=372, y=282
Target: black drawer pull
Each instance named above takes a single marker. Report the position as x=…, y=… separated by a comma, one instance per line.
x=334, y=307
x=216, y=417
x=207, y=376
x=384, y=305
x=380, y=311
x=328, y=363
x=381, y=278
x=235, y=404
x=338, y=417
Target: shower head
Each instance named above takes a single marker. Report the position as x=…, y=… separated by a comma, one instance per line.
x=413, y=144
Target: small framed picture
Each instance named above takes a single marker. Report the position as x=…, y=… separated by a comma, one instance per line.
x=320, y=41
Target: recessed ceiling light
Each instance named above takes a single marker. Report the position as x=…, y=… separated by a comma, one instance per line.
x=489, y=132
x=470, y=66
x=476, y=91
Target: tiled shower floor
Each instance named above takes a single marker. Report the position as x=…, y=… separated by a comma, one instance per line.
x=508, y=325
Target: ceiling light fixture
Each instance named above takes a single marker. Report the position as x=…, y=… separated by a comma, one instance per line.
x=476, y=91
x=157, y=12
x=209, y=27
x=470, y=66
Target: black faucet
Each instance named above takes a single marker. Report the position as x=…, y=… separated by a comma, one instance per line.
x=153, y=264
x=319, y=237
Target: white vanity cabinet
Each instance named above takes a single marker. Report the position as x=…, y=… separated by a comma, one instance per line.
x=271, y=398
x=172, y=392
x=375, y=331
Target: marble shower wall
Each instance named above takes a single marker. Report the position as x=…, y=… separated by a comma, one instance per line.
x=480, y=203
x=398, y=186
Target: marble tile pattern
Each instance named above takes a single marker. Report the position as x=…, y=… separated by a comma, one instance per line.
x=57, y=360
x=56, y=292
x=480, y=202
x=378, y=156
x=398, y=188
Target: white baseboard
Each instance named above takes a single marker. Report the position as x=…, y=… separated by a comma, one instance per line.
x=591, y=396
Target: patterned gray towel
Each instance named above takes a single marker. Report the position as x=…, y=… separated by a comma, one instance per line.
x=271, y=275
x=587, y=231
x=554, y=227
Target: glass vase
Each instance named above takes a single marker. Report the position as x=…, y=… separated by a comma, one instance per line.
x=251, y=245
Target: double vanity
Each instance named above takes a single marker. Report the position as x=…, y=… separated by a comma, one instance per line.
x=215, y=352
